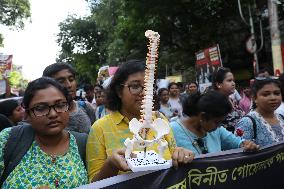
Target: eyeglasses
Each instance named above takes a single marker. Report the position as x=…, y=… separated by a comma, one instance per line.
x=201, y=145
x=266, y=78
x=44, y=109
x=134, y=89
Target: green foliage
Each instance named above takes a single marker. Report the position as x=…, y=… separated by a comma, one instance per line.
x=185, y=27
x=14, y=78
x=14, y=13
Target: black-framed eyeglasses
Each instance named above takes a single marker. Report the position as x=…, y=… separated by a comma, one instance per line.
x=134, y=88
x=266, y=78
x=201, y=145
x=44, y=109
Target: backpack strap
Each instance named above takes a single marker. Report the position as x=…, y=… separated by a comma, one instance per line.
x=18, y=143
x=253, y=125
x=81, y=140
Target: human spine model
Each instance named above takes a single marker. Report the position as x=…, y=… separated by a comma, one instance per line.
x=146, y=122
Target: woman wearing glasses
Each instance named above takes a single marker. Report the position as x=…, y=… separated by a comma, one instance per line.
x=52, y=157
x=108, y=134
x=199, y=129
x=223, y=82
x=263, y=125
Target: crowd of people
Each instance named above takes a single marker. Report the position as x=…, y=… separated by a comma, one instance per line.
x=53, y=139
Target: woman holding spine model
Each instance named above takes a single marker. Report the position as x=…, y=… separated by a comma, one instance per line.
x=124, y=98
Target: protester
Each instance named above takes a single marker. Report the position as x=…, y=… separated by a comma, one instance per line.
x=246, y=101
x=82, y=113
x=263, y=72
x=223, y=81
x=90, y=93
x=124, y=98
x=50, y=159
x=264, y=125
x=199, y=130
x=192, y=87
x=101, y=109
x=97, y=88
x=12, y=110
x=174, y=99
x=164, y=105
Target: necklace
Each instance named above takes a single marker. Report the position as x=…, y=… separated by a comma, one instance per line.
x=268, y=126
x=198, y=144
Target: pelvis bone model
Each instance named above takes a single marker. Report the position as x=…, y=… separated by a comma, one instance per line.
x=159, y=126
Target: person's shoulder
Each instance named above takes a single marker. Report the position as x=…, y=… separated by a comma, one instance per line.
x=105, y=120
x=175, y=125
x=4, y=135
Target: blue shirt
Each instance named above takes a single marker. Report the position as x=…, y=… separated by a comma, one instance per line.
x=215, y=141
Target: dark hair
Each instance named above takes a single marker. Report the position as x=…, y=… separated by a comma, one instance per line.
x=42, y=83
x=195, y=103
x=52, y=69
x=259, y=84
x=8, y=106
x=4, y=122
x=263, y=70
x=162, y=90
x=88, y=87
x=171, y=84
x=219, y=76
x=192, y=82
x=119, y=78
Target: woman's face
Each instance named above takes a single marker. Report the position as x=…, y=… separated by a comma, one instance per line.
x=53, y=123
x=18, y=114
x=192, y=88
x=165, y=96
x=268, y=98
x=100, y=98
x=131, y=94
x=211, y=124
x=174, y=90
x=228, y=85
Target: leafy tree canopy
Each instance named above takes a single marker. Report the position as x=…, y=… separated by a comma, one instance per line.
x=13, y=13
x=115, y=32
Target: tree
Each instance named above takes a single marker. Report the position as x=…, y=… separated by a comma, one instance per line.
x=82, y=45
x=185, y=27
x=13, y=13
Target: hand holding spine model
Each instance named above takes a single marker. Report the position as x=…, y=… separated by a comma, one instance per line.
x=146, y=122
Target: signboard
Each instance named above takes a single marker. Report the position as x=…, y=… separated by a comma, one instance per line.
x=5, y=65
x=207, y=61
x=232, y=169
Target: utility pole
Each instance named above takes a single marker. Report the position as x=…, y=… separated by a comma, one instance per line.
x=275, y=37
x=252, y=40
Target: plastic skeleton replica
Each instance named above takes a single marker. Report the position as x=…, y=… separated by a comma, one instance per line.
x=158, y=125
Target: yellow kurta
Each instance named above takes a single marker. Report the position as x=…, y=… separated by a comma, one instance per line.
x=108, y=134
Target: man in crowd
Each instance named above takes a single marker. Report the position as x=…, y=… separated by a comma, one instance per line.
x=82, y=113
